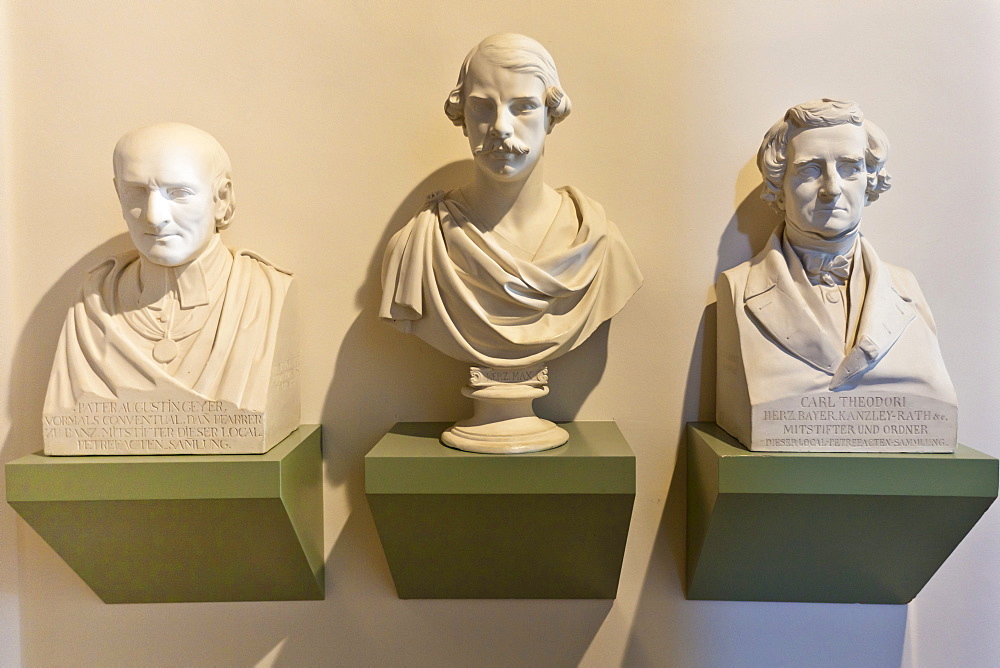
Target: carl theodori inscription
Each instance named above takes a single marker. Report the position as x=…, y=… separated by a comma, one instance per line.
x=822, y=346
x=864, y=422
x=180, y=346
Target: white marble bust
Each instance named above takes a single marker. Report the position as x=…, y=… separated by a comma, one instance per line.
x=823, y=346
x=180, y=346
x=506, y=272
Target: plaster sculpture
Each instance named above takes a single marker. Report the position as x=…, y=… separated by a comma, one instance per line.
x=823, y=346
x=505, y=272
x=181, y=345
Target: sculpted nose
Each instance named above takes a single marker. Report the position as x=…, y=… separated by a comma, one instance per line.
x=831, y=187
x=502, y=126
x=157, y=211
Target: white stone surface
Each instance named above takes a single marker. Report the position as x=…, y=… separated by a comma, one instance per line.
x=506, y=272
x=503, y=421
x=822, y=347
x=181, y=346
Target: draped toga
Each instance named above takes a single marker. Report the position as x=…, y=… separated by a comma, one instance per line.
x=476, y=297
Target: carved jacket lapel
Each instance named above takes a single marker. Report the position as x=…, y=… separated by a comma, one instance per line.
x=884, y=316
x=773, y=302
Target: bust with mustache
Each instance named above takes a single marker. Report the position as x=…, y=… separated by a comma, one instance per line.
x=506, y=272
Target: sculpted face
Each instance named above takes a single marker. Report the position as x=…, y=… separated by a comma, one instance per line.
x=825, y=181
x=166, y=182
x=506, y=119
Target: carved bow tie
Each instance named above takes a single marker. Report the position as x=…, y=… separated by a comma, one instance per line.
x=826, y=269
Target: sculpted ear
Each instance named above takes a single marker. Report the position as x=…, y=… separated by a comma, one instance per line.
x=225, y=204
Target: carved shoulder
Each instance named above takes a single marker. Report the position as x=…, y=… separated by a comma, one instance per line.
x=260, y=258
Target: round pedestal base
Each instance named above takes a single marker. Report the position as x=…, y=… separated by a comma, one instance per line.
x=504, y=423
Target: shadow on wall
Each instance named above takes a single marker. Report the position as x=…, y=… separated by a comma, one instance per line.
x=32, y=362
x=383, y=376
x=729, y=632
x=752, y=222
x=36, y=349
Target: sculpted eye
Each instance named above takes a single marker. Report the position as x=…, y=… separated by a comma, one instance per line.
x=849, y=169
x=523, y=106
x=132, y=196
x=179, y=192
x=477, y=107
x=809, y=171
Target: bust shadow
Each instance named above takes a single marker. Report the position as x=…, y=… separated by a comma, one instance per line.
x=750, y=226
x=31, y=362
x=383, y=376
x=37, y=342
x=662, y=603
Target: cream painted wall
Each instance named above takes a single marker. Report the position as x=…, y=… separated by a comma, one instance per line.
x=331, y=112
x=10, y=637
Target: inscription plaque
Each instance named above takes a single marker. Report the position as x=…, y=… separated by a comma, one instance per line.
x=856, y=422
x=149, y=424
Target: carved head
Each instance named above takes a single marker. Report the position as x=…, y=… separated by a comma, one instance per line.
x=822, y=164
x=506, y=100
x=175, y=186
x=518, y=53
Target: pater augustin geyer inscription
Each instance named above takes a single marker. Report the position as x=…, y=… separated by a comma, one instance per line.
x=181, y=345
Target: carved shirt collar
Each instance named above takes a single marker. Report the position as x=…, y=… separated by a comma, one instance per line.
x=773, y=301
x=190, y=282
x=823, y=268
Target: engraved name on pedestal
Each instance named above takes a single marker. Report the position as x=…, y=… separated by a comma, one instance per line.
x=481, y=376
x=153, y=425
x=856, y=422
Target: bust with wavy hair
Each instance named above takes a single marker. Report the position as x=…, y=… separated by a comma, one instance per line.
x=772, y=156
x=520, y=54
x=816, y=319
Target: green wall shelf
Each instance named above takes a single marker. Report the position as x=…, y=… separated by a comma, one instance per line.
x=840, y=528
x=154, y=529
x=456, y=524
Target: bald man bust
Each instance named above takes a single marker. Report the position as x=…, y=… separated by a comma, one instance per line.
x=181, y=345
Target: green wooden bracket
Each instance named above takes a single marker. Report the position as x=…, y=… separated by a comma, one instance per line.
x=456, y=524
x=149, y=529
x=838, y=527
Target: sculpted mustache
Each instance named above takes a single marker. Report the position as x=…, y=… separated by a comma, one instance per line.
x=509, y=145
